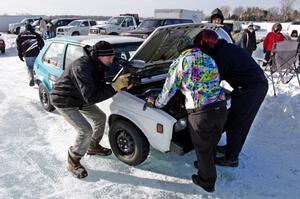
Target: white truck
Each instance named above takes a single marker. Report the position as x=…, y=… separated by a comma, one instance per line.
x=116, y=25
x=76, y=27
x=15, y=27
x=196, y=15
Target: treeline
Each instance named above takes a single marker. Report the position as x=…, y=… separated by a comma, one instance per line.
x=285, y=12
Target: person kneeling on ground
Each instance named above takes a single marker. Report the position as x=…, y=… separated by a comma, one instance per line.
x=196, y=75
x=75, y=94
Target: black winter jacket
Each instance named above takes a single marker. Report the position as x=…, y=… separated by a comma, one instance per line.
x=236, y=66
x=81, y=83
x=29, y=44
x=248, y=40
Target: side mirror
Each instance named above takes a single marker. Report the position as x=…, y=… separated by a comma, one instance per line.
x=136, y=63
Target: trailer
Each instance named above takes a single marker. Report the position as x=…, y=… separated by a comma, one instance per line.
x=196, y=15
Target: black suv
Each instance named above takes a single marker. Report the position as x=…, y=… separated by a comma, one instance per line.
x=147, y=26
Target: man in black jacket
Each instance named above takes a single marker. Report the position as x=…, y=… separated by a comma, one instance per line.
x=248, y=41
x=249, y=85
x=217, y=17
x=75, y=94
x=29, y=44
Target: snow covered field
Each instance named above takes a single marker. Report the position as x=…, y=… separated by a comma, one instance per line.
x=34, y=143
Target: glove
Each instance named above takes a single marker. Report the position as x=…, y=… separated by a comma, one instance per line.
x=121, y=82
x=21, y=57
x=264, y=50
x=150, y=102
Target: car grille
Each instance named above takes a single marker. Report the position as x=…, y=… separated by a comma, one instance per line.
x=60, y=30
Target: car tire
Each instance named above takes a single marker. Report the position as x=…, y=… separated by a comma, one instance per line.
x=45, y=98
x=128, y=143
x=75, y=34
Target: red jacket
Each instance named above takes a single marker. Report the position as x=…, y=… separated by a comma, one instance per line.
x=272, y=38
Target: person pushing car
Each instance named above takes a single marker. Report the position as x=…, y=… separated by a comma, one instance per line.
x=75, y=95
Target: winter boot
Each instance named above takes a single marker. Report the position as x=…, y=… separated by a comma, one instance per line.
x=75, y=167
x=96, y=149
x=197, y=181
x=223, y=161
x=221, y=149
x=31, y=78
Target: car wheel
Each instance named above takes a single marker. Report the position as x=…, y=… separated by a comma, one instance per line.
x=3, y=51
x=17, y=30
x=75, y=34
x=45, y=98
x=128, y=143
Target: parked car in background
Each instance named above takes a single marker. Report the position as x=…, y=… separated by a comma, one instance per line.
x=76, y=27
x=15, y=27
x=132, y=126
x=116, y=25
x=148, y=26
x=34, y=25
x=61, y=22
x=2, y=44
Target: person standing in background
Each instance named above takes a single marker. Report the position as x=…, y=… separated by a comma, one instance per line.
x=29, y=44
x=248, y=41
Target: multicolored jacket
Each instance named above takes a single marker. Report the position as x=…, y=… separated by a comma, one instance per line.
x=196, y=75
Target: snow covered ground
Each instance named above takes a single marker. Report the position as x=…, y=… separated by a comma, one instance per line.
x=34, y=143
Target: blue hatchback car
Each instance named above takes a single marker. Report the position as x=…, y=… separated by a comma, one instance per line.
x=61, y=52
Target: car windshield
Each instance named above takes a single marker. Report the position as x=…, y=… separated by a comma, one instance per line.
x=74, y=23
x=115, y=20
x=150, y=23
x=35, y=23
x=24, y=20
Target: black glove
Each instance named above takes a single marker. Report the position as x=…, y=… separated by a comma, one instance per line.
x=21, y=57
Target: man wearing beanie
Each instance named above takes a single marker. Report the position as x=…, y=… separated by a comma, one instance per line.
x=217, y=17
x=75, y=94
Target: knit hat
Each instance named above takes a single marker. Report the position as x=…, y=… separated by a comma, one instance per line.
x=102, y=48
x=28, y=27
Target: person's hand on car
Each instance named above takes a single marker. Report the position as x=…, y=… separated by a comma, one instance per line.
x=150, y=102
x=121, y=82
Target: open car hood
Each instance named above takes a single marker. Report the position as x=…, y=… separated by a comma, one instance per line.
x=165, y=44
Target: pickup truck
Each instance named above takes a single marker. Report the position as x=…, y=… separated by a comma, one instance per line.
x=76, y=27
x=115, y=25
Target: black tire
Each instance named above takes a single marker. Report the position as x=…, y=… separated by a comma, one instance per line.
x=45, y=98
x=113, y=33
x=75, y=34
x=17, y=30
x=128, y=143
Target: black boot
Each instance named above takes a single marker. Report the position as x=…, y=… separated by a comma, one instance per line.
x=196, y=164
x=222, y=149
x=31, y=78
x=223, y=161
x=75, y=167
x=96, y=149
x=197, y=181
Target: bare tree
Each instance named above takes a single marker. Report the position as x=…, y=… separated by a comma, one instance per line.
x=287, y=8
x=225, y=10
x=273, y=14
x=238, y=12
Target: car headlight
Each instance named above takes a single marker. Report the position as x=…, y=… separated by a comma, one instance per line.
x=180, y=125
x=144, y=36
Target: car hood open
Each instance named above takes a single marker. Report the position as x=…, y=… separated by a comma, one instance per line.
x=165, y=44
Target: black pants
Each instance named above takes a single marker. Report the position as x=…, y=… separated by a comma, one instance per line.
x=267, y=57
x=205, y=128
x=245, y=104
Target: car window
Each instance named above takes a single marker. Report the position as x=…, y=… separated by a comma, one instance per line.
x=152, y=23
x=74, y=23
x=129, y=21
x=93, y=23
x=73, y=52
x=53, y=55
x=84, y=24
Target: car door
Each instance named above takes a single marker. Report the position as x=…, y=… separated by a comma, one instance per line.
x=85, y=26
x=53, y=62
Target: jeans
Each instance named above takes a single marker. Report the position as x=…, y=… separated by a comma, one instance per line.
x=85, y=131
x=29, y=63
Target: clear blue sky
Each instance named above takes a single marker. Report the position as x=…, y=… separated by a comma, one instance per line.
x=144, y=8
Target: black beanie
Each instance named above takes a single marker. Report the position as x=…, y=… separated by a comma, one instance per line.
x=28, y=27
x=102, y=48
